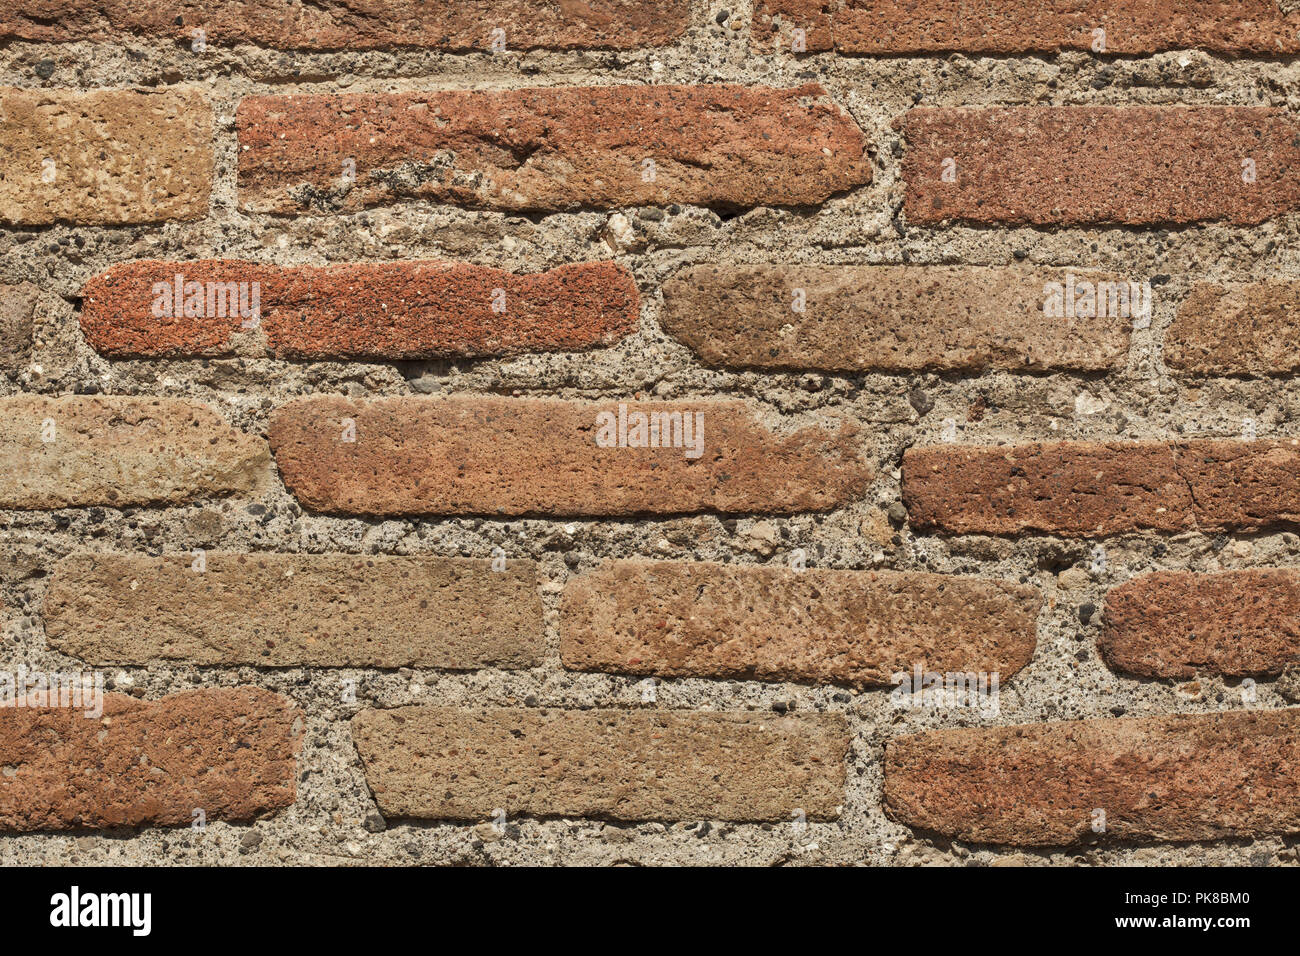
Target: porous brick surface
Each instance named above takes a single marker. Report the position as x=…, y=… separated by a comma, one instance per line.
x=789, y=432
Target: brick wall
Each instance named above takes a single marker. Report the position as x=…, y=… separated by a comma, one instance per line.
x=526, y=432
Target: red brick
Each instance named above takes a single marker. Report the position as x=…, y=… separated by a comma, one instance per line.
x=1240, y=329
x=1177, y=624
x=775, y=21
x=879, y=27
x=549, y=149
x=700, y=619
x=1179, y=777
x=516, y=457
x=450, y=764
x=119, y=451
x=114, y=156
x=888, y=318
x=380, y=311
x=229, y=752
x=342, y=25
x=1086, y=165
x=1087, y=489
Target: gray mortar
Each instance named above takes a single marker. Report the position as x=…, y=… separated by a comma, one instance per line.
x=1066, y=679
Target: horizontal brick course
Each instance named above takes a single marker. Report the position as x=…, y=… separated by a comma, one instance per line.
x=1091, y=489
x=548, y=149
x=1099, y=165
x=701, y=619
x=1173, y=624
x=500, y=456
x=1238, y=329
x=119, y=451
x=1177, y=777
x=446, y=763
x=285, y=610
x=383, y=311
x=882, y=27
x=891, y=318
x=340, y=25
x=229, y=752
x=104, y=157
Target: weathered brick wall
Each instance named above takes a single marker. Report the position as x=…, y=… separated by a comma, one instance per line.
x=968, y=332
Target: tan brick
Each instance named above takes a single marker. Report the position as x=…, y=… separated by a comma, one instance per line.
x=389, y=311
x=17, y=311
x=503, y=456
x=1090, y=489
x=1174, y=624
x=896, y=318
x=1177, y=777
x=119, y=451
x=286, y=610
x=1241, y=329
x=461, y=25
x=114, y=156
x=230, y=752
x=1098, y=165
x=549, y=149
x=446, y=763
x=701, y=619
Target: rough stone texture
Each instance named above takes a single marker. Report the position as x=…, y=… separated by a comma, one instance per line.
x=119, y=156
x=349, y=24
x=285, y=610
x=1175, y=777
x=335, y=821
x=1244, y=329
x=1242, y=485
x=1085, y=489
x=545, y=149
x=775, y=21
x=377, y=311
x=1092, y=489
x=886, y=27
x=230, y=752
x=887, y=318
x=1080, y=165
x=1180, y=624
x=700, y=619
x=17, y=309
x=120, y=451
x=500, y=456
x=464, y=764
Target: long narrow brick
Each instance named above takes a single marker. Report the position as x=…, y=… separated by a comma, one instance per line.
x=386, y=311
x=1099, y=165
x=1089, y=489
x=700, y=619
x=883, y=27
x=107, y=157
x=462, y=25
x=1242, y=329
x=451, y=764
x=1180, y=777
x=17, y=311
x=228, y=752
x=286, y=610
x=548, y=149
x=1176, y=624
x=501, y=456
x=118, y=451
x=903, y=318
